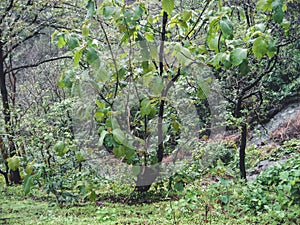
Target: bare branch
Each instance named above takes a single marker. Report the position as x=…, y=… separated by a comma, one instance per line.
x=37, y=64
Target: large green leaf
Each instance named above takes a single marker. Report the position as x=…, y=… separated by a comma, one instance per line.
x=278, y=12
x=61, y=42
x=226, y=27
x=91, y=55
x=28, y=183
x=13, y=163
x=260, y=47
x=244, y=67
x=147, y=108
x=90, y=9
x=168, y=6
x=264, y=5
x=60, y=148
x=77, y=57
x=102, y=136
x=72, y=42
x=237, y=56
x=278, y=15
x=108, y=11
x=186, y=15
x=157, y=85
x=119, y=136
x=183, y=56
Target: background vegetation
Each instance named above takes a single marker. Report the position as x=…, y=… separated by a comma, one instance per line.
x=67, y=70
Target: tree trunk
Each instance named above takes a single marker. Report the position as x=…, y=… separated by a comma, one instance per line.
x=14, y=175
x=242, y=152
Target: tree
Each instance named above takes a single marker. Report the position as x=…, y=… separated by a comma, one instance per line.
x=21, y=22
x=118, y=50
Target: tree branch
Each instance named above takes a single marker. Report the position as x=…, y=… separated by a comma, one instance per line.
x=198, y=20
x=37, y=64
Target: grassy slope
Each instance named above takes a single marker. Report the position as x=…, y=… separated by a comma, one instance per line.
x=15, y=208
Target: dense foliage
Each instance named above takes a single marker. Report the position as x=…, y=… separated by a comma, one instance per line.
x=136, y=102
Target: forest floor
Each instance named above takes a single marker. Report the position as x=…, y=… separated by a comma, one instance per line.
x=212, y=203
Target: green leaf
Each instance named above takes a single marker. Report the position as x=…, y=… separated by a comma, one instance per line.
x=278, y=12
x=72, y=42
x=90, y=9
x=149, y=37
x=13, y=163
x=226, y=27
x=213, y=44
x=179, y=186
x=147, y=108
x=186, y=15
x=29, y=168
x=77, y=57
x=244, y=67
x=114, y=123
x=108, y=11
x=260, y=47
x=85, y=29
x=216, y=60
x=277, y=4
x=278, y=15
x=102, y=136
x=237, y=56
x=66, y=80
x=157, y=85
x=99, y=116
x=60, y=148
x=168, y=6
x=119, y=151
x=91, y=55
x=28, y=183
x=225, y=60
x=61, y=42
x=183, y=56
x=79, y=157
x=264, y=5
x=119, y=136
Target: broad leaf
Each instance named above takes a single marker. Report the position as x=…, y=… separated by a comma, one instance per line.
x=226, y=27
x=90, y=9
x=260, y=47
x=157, y=85
x=168, y=6
x=13, y=163
x=186, y=15
x=28, y=183
x=85, y=29
x=237, y=56
x=244, y=67
x=278, y=12
x=102, y=136
x=91, y=55
x=264, y=5
x=72, y=42
x=108, y=11
x=278, y=15
x=61, y=41
x=119, y=136
x=77, y=57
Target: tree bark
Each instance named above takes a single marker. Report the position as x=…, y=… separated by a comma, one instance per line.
x=242, y=151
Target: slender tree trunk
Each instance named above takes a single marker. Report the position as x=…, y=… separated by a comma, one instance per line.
x=243, y=142
x=14, y=175
x=242, y=151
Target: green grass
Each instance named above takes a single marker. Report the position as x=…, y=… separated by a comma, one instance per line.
x=203, y=201
x=15, y=208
